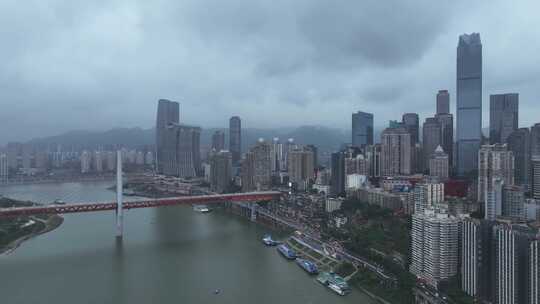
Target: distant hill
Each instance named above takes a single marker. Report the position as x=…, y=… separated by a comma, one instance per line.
x=326, y=139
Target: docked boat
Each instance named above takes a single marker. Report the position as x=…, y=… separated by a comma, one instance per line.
x=308, y=266
x=334, y=282
x=268, y=241
x=201, y=208
x=287, y=252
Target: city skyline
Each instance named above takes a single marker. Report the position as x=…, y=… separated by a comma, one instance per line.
x=262, y=81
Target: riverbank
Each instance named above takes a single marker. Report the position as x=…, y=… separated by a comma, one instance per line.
x=50, y=224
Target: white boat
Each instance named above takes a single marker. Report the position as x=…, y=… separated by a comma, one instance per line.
x=201, y=208
x=337, y=289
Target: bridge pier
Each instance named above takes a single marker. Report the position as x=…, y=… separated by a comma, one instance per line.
x=119, y=193
x=253, y=208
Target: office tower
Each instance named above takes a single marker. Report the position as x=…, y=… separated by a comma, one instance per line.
x=301, y=170
x=443, y=102
x=86, y=159
x=512, y=247
x=476, y=254
x=495, y=161
x=362, y=129
x=373, y=155
x=181, y=151
x=396, y=124
x=412, y=125
x=434, y=244
x=256, y=168
x=220, y=171
x=276, y=155
x=431, y=133
x=438, y=164
x=395, y=152
x=535, y=177
x=337, y=183
x=520, y=145
x=446, y=122
x=427, y=195
x=218, y=141
x=469, y=102
x=513, y=202
x=235, y=139
x=535, y=139
x=168, y=113
x=417, y=159
x=4, y=168
x=503, y=116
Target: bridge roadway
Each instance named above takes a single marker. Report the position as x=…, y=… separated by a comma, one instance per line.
x=150, y=203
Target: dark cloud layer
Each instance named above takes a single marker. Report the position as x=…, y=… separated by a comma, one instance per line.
x=101, y=64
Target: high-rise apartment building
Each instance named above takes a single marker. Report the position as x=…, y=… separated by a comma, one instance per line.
x=443, y=102
x=256, y=168
x=513, y=202
x=503, y=116
x=427, y=195
x=411, y=122
x=86, y=161
x=435, y=245
x=534, y=272
x=395, y=152
x=168, y=113
x=520, y=144
x=469, y=102
x=4, y=168
x=431, y=133
x=301, y=170
x=476, y=255
x=220, y=171
x=181, y=151
x=438, y=164
x=535, y=140
x=362, y=129
x=218, y=141
x=535, y=177
x=494, y=161
x=373, y=157
x=235, y=139
x=357, y=165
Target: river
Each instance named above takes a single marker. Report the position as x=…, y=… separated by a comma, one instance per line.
x=168, y=255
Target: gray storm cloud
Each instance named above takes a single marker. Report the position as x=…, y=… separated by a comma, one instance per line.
x=100, y=64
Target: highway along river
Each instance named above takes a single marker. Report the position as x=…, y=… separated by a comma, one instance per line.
x=168, y=255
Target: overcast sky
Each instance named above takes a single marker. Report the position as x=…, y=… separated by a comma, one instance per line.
x=100, y=64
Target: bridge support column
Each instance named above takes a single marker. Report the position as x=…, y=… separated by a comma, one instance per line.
x=119, y=193
x=253, y=208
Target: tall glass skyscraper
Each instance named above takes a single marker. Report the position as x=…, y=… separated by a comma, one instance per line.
x=168, y=113
x=362, y=129
x=469, y=102
x=503, y=116
x=235, y=139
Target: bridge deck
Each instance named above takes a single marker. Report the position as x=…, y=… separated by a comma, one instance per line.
x=170, y=201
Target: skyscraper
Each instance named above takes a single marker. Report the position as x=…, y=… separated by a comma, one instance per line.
x=443, y=102
x=469, y=102
x=535, y=177
x=395, y=152
x=256, y=168
x=431, y=133
x=412, y=124
x=301, y=170
x=434, y=244
x=373, y=156
x=427, y=195
x=220, y=171
x=362, y=129
x=438, y=164
x=337, y=182
x=218, y=141
x=503, y=116
x=519, y=143
x=181, y=151
x=167, y=113
x=495, y=161
x=446, y=122
x=535, y=140
x=4, y=168
x=235, y=139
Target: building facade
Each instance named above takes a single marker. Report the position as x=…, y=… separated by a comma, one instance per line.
x=503, y=116
x=395, y=152
x=443, y=102
x=235, y=139
x=438, y=164
x=494, y=161
x=469, y=102
x=431, y=133
x=168, y=113
x=520, y=144
x=218, y=141
x=411, y=122
x=220, y=171
x=362, y=129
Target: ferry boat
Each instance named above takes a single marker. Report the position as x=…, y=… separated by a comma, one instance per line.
x=287, y=252
x=308, y=266
x=268, y=241
x=201, y=208
x=334, y=282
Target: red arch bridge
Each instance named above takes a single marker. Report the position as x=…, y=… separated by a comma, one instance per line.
x=249, y=197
